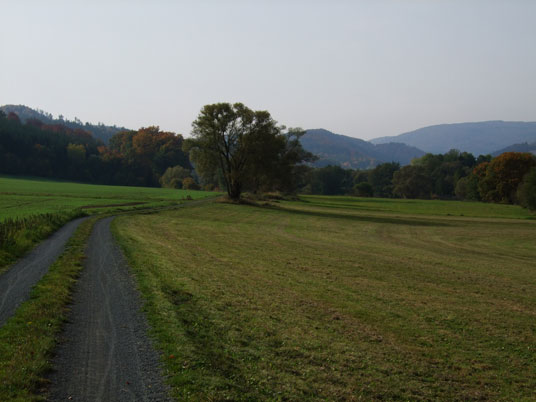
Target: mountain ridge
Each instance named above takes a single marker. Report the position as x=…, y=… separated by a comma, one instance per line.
x=524, y=147
x=478, y=138
x=354, y=153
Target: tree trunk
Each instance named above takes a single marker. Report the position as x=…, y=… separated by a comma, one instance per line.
x=235, y=189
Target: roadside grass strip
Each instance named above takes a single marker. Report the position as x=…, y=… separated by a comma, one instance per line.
x=19, y=235
x=27, y=340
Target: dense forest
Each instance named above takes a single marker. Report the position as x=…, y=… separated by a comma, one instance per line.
x=508, y=178
x=133, y=158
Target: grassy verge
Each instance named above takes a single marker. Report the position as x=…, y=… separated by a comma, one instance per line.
x=28, y=338
x=312, y=302
x=19, y=235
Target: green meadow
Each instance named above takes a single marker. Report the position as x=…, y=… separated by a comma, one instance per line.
x=23, y=197
x=339, y=298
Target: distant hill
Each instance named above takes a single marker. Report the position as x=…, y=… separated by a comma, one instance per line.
x=99, y=131
x=349, y=152
x=525, y=147
x=478, y=138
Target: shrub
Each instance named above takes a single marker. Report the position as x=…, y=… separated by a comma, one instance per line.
x=173, y=177
x=363, y=189
x=189, y=184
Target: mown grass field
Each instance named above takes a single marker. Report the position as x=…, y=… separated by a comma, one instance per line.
x=418, y=207
x=20, y=197
x=340, y=299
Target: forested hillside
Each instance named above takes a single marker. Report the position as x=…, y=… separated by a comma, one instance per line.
x=135, y=158
x=354, y=153
x=524, y=147
x=99, y=131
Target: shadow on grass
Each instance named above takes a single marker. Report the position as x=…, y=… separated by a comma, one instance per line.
x=374, y=204
x=363, y=218
x=214, y=369
x=321, y=200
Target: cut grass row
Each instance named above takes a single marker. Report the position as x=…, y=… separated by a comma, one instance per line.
x=28, y=338
x=418, y=207
x=321, y=302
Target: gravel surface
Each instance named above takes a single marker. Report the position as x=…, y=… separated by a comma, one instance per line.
x=104, y=353
x=17, y=283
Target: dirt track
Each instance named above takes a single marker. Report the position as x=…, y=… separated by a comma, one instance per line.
x=105, y=354
x=16, y=284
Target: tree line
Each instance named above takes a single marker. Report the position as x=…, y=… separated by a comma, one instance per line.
x=233, y=148
x=508, y=178
x=236, y=149
x=132, y=158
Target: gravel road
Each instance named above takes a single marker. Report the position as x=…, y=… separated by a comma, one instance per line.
x=17, y=283
x=104, y=353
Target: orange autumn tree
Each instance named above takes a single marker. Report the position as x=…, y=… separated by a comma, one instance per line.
x=149, y=152
x=500, y=178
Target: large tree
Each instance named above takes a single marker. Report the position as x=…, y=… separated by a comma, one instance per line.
x=245, y=149
x=412, y=182
x=500, y=178
x=381, y=179
x=331, y=180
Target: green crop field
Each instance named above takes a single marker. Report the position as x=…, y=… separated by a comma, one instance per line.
x=24, y=197
x=337, y=298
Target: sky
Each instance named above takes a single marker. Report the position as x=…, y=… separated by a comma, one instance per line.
x=360, y=68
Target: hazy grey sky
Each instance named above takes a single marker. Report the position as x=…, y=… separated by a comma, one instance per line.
x=359, y=68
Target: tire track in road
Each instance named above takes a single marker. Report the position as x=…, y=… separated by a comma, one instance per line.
x=16, y=284
x=105, y=353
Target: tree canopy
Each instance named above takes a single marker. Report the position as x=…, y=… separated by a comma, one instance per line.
x=499, y=179
x=507, y=178
x=244, y=149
